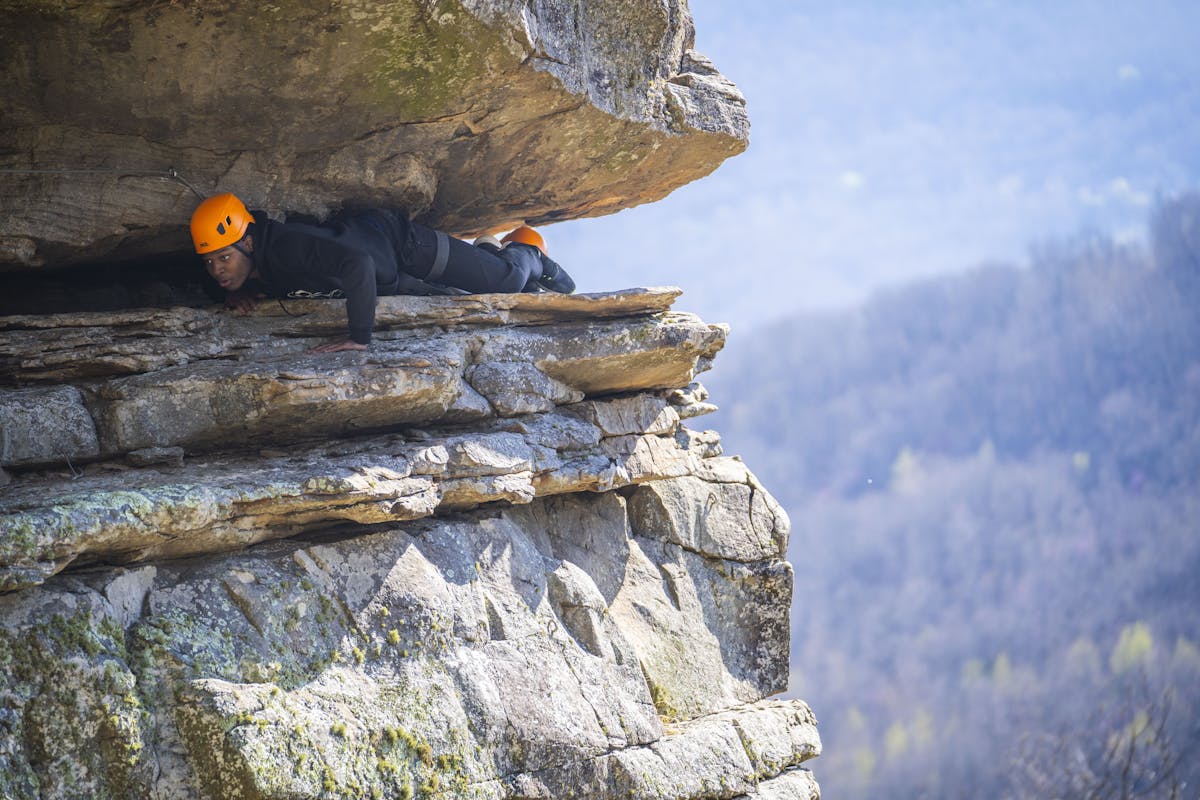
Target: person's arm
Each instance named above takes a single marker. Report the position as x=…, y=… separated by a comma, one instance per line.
x=328, y=264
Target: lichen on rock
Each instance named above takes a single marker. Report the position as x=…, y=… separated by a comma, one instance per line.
x=574, y=595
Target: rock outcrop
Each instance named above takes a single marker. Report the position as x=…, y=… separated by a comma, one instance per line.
x=486, y=559
x=473, y=114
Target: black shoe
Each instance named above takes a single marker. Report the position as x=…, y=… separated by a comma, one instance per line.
x=554, y=278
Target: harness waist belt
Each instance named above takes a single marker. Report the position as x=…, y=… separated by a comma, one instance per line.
x=442, y=257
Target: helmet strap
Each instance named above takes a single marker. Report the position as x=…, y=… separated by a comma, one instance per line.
x=241, y=248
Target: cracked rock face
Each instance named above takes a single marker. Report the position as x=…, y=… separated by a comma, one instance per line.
x=486, y=559
x=472, y=114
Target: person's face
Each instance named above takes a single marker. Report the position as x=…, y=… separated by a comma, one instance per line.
x=229, y=266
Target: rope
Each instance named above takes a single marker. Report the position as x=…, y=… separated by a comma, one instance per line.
x=162, y=174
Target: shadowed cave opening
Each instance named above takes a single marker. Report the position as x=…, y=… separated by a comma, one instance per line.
x=159, y=281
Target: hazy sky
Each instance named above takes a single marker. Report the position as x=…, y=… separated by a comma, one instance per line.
x=894, y=140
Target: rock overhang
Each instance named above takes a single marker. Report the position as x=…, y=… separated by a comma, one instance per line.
x=473, y=115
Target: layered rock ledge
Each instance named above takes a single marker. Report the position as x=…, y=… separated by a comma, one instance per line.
x=486, y=559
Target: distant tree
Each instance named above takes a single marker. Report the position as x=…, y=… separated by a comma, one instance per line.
x=1135, y=645
x=1175, y=231
x=1125, y=752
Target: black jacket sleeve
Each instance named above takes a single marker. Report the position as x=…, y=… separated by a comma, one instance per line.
x=324, y=264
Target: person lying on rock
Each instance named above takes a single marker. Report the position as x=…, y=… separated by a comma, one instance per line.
x=360, y=256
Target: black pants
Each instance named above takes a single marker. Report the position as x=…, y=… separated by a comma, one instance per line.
x=439, y=258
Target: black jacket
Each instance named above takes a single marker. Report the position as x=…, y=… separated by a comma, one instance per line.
x=356, y=257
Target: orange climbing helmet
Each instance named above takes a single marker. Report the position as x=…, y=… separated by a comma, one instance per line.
x=526, y=235
x=220, y=221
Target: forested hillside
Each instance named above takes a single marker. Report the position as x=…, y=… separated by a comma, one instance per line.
x=994, y=486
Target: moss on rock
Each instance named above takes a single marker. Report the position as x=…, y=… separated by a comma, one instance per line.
x=74, y=719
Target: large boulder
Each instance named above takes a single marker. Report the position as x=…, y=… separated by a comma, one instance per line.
x=474, y=114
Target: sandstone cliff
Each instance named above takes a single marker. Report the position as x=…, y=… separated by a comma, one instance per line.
x=486, y=559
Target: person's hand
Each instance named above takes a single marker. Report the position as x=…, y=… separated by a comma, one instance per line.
x=242, y=301
x=337, y=345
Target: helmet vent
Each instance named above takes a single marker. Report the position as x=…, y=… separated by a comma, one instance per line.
x=221, y=228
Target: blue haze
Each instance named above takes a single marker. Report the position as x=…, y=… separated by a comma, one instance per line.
x=895, y=141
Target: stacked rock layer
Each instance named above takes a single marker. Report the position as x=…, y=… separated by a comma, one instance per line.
x=485, y=559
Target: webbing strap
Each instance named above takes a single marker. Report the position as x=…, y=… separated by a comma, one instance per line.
x=442, y=257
